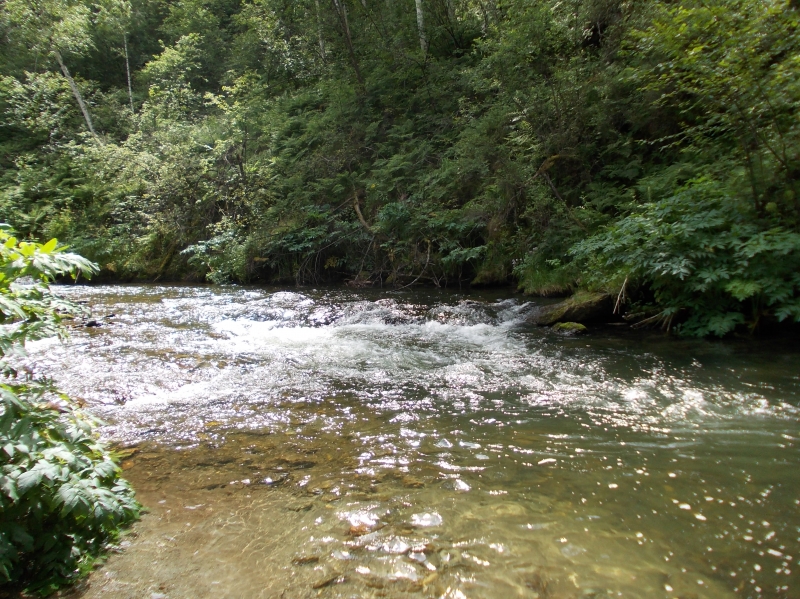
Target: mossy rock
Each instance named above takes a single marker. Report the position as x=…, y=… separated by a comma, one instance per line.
x=572, y=328
x=584, y=306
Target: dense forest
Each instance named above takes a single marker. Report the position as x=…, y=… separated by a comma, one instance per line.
x=650, y=149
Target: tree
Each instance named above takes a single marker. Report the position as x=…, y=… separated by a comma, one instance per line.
x=423, y=41
x=115, y=15
x=54, y=28
x=340, y=8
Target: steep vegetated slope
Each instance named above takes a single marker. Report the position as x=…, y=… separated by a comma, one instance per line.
x=646, y=149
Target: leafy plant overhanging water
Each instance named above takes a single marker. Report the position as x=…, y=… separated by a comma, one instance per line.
x=61, y=496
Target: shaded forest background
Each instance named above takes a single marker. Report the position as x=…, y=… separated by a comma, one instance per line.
x=647, y=149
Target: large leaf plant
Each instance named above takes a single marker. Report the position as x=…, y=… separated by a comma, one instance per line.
x=61, y=496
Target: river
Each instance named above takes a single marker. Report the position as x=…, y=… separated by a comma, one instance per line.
x=340, y=443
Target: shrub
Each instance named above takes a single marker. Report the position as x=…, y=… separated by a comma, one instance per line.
x=705, y=254
x=61, y=495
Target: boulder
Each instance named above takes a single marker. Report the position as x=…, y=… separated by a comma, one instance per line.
x=569, y=328
x=582, y=307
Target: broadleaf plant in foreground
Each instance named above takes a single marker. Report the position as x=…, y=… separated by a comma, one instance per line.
x=61, y=496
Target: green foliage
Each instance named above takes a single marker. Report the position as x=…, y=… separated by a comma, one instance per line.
x=61, y=496
x=170, y=76
x=478, y=150
x=716, y=242
x=548, y=278
x=706, y=254
x=736, y=99
x=42, y=105
x=49, y=25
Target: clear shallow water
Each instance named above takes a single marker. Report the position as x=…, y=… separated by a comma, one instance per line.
x=439, y=447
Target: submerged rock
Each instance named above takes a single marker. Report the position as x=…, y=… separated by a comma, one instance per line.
x=303, y=559
x=581, y=307
x=426, y=519
x=570, y=550
x=396, y=545
x=358, y=530
x=327, y=580
x=456, y=484
x=412, y=482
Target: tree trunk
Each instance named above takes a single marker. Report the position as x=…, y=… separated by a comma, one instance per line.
x=76, y=92
x=489, y=10
x=341, y=11
x=485, y=21
x=423, y=41
x=128, y=69
x=319, y=31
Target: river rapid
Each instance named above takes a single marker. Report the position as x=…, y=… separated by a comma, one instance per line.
x=339, y=443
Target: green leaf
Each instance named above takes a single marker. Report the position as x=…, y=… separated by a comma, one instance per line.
x=28, y=480
x=48, y=247
x=9, y=487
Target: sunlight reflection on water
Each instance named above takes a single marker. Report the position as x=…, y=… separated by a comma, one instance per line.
x=452, y=451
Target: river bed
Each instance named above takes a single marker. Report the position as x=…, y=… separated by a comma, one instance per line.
x=339, y=443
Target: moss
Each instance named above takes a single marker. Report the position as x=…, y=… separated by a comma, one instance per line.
x=569, y=327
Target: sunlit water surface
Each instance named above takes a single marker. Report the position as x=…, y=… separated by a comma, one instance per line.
x=433, y=445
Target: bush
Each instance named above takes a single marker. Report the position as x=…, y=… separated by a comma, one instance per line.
x=706, y=256
x=61, y=496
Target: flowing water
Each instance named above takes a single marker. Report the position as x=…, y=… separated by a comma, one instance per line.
x=335, y=443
